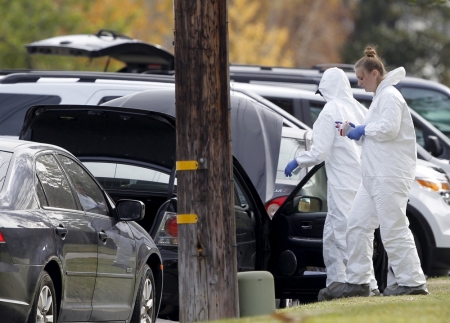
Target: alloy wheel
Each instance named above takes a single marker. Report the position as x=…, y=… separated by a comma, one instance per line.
x=44, y=311
x=147, y=302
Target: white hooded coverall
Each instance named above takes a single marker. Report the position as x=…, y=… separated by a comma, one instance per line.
x=342, y=162
x=388, y=163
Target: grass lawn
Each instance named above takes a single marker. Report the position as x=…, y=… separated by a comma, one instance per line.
x=433, y=308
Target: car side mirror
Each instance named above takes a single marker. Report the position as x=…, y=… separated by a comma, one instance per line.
x=130, y=210
x=434, y=146
x=309, y=204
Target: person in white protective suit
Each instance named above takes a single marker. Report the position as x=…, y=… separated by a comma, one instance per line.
x=388, y=163
x=342, y=161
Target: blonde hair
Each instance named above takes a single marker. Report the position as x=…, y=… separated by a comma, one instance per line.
x=371, y=61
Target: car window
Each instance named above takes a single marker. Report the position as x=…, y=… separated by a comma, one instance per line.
x=314, y=109
x=14, y=107
x=286, y=104
x=108, y=98
x=289, y=149
x=420, y=138
x=90, y=195
x=434, y=106
x=129, y=177
x=239, y=198
x=40, y=193
x=5, y=158
x=55, y=184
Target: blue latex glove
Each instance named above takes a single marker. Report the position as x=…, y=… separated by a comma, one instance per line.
x=356, y=133
x=290, y=167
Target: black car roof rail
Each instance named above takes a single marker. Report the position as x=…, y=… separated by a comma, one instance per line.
x=345, y=67
x=270, y=68
x=34, y=76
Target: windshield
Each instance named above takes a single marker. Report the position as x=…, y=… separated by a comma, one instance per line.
x=432, y=105
x=128, y=177
x=5, y=158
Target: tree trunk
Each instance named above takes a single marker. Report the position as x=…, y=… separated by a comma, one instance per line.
x=207, y=253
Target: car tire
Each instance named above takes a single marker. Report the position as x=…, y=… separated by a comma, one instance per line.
x=145, y=304
x=44, y=301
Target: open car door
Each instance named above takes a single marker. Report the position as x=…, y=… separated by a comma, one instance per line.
x=296, y=239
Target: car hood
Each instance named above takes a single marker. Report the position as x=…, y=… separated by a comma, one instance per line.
x=141, y=128
x=104, y=43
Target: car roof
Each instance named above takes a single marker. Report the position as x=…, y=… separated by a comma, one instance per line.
x=37, y=76
x=277, y=91
x=295, y=77
x=11, y=145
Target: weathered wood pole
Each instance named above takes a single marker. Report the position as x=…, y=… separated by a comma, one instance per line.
x=207, y=253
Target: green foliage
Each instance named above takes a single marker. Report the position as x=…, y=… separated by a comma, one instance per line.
x=25, y=21
x=413, y=34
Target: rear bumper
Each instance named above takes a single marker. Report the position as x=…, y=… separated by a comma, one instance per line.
x=12, y=312
x=17, y=284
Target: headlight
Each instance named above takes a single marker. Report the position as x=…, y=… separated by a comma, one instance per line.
x=434, y=185
x=443, y=187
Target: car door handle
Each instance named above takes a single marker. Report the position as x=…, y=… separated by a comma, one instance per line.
x=306, y=225
x=61, y=231
x=103, y=236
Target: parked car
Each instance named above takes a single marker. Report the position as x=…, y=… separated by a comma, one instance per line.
x=425, y=214
x=306, y=106
x=429, y=99
x=139, y=165
x=138, y=56
x=20, y=91
x=67, y=251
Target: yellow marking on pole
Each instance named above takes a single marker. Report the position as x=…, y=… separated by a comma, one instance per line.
x=187, y=218
x=187, y=165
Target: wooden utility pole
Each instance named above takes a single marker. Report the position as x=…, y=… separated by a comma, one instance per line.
x=206, y=246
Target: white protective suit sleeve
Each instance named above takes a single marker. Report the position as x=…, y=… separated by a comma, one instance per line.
x=323, y=137
x=388, y=126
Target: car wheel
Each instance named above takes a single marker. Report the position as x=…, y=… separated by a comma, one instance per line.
x=418, y=247
x=144, y=306
x=288, y=302
x=44, y=301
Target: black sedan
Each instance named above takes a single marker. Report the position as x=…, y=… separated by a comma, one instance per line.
x=67, y=251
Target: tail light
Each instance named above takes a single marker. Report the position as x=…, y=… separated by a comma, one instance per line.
x=167, y=234
x=273, y=205
x=2, y=238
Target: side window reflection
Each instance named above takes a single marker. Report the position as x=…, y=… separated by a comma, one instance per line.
x=54, y=183
x=40, y=193
x=90, y=195
x=434, y=106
